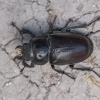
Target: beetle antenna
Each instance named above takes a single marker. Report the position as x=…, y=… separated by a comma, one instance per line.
x=51, y=26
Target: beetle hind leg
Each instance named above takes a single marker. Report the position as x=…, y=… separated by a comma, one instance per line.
x=63, y=72
x=84, y=69
x=91, y=33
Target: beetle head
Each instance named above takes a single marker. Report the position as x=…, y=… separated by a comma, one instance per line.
x=25, y=51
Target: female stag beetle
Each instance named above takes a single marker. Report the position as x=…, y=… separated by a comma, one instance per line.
x=57, y=48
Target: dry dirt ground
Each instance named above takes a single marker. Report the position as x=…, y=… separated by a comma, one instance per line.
x=41, y=82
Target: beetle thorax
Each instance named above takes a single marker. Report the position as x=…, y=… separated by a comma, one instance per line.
x=40, y=51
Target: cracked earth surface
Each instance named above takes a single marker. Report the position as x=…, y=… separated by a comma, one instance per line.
x=41, y=82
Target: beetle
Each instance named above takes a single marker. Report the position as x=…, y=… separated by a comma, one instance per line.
x=58, y=48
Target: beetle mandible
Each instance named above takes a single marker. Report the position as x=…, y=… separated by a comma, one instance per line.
x=58, y=48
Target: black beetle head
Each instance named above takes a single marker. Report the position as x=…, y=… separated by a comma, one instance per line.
x=24, y=52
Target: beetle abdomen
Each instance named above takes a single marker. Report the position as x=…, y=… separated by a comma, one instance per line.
x=69, y=48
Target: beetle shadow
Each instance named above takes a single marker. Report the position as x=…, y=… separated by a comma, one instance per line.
x=37, y=28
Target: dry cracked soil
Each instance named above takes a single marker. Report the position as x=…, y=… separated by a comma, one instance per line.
x=41, y=82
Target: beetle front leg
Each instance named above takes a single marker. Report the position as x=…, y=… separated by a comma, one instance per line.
x=19, y=47
x=63, y=72
x=19, y=57
x=84, y=69
x=13, y=24
x=23, y=31
x=27, y=65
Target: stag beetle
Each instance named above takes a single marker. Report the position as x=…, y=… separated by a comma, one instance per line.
x=58, y=48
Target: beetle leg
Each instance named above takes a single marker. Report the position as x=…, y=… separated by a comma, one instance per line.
x=60, y=29
x=13, y=24
x=63, y=72
x=91, y=33
x=32, y=64
x=19, y=47
x=19, y=57
x=27, y=65
x=84, y=69
x=51, y=27
x=23, y=31
x=85, y=25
